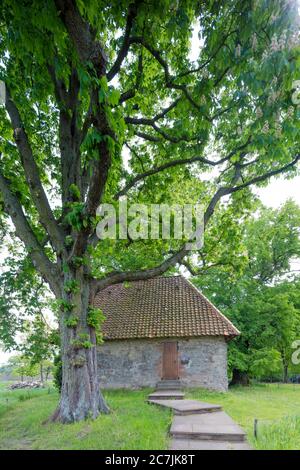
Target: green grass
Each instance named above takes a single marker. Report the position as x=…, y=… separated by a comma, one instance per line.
x=9, y=398
x=277, y=408
x=133, y=424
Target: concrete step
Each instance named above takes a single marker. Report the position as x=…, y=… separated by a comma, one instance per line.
x=166, y=395
x=169, y=385
x=187, y=407
x=189, y=444
x=217, y=426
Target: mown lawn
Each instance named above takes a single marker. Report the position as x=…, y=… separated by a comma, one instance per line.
x=276, y=406
x=133, y=424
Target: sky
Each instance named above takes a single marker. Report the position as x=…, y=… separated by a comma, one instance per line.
x=273, y=195
x=279, y=190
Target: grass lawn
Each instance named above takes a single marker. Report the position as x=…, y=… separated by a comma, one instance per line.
x=276, y=406
x=133, y=424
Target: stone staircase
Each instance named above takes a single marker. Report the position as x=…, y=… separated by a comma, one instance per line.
x=169, y=385
x=166, y=395
x=198, y=425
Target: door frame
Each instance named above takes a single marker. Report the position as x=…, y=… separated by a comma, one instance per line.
x=170, y=361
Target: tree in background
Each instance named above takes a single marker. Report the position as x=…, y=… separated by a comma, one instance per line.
x=22, y=367
x=86, y=80
x=25, y=304
x=39, y=345
x=263, y=300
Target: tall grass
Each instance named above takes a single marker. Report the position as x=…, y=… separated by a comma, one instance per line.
x=283, y=434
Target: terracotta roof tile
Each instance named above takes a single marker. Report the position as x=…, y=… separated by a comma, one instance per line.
x=158, y=308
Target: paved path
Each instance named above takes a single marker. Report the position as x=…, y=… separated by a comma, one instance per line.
x=198, y=425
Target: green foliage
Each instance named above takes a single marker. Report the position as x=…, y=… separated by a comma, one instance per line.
x=65, y=306
x=22, y=366
x=231, y=103
x=265, y=362
x=75, y=216
x=95, y=317
x=75, y=192
x=23, y=295
x=71, y=286
x=71, y=321
x=77, y=261
x=261, y=301
x=82, y=341
x=69, y=240
x=39, y=344
x=243, y=81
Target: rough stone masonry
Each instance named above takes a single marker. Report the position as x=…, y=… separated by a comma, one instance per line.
x=138, y=363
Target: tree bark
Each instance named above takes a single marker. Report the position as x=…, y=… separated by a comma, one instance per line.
x=239, y=378
x=81, y=397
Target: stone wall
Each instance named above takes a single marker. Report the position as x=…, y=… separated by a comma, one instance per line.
x=138, y=363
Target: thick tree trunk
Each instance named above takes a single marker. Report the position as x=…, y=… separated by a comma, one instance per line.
x=239, y=378
x=81, y=397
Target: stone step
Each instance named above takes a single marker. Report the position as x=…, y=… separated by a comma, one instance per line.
x=188, y=444
x=187, y=407
x=166, y=395
x=169, y=385
x=217, y=426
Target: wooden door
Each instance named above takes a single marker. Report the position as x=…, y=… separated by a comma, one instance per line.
x=170, y=361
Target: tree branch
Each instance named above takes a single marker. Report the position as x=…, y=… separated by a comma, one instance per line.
x=89, y=50
x=265, y=176
x=127, y=95
x=82, y=35
x=168, y=78
x=183, y=161
x=132, y=13
x=153, y=171
x=32, y=176
x=23, y=230
x=152, y=121
x=177, y=257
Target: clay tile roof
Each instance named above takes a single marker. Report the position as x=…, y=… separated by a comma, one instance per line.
x=158, y=308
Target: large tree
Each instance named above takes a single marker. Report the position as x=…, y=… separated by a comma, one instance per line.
x=86, y=80
x=261, y=293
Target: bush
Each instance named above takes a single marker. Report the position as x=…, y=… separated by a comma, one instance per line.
x=57, y=374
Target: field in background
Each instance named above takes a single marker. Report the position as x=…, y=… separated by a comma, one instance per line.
x=133, y=424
